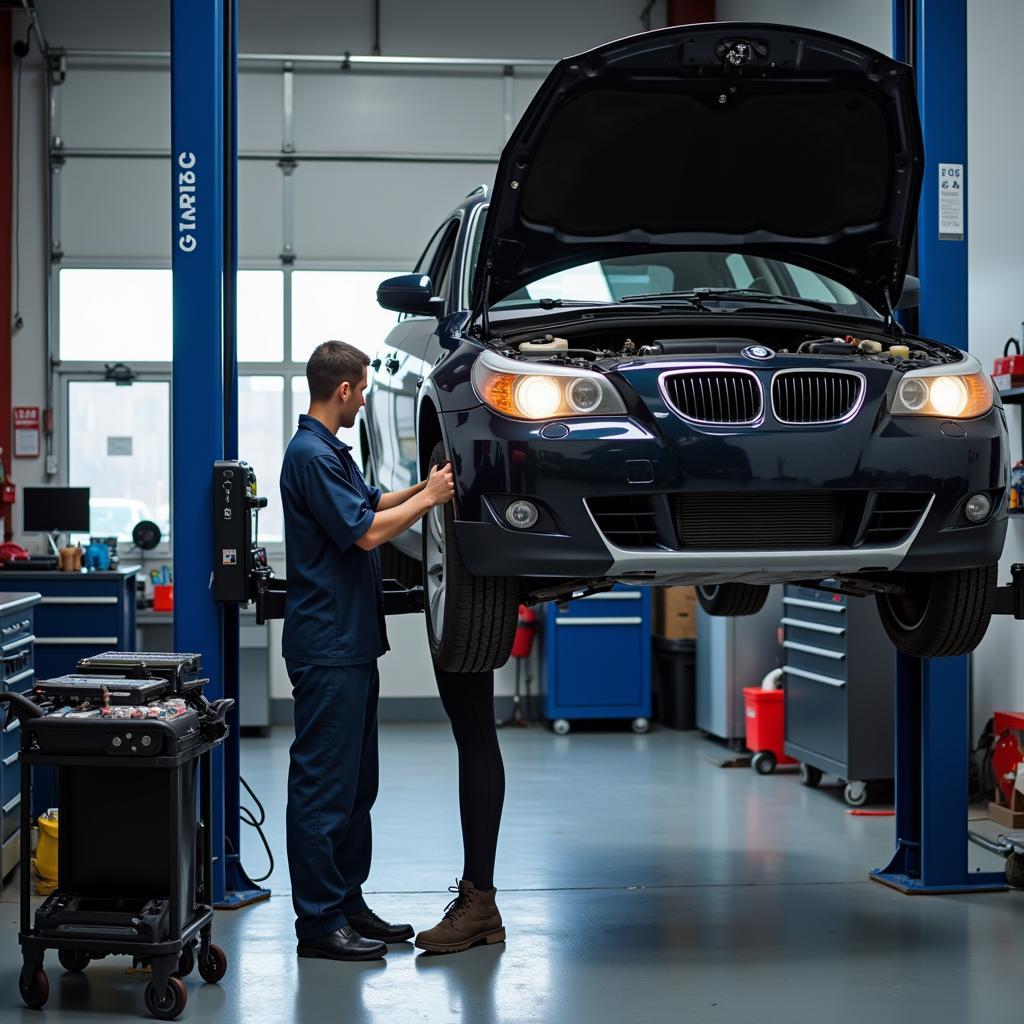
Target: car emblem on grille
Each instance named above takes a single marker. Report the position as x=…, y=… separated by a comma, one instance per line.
x=758, y=352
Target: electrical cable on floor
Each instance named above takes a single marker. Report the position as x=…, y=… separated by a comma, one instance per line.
x=250, y=819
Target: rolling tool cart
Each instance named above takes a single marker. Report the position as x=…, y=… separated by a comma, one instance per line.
x=130, y=736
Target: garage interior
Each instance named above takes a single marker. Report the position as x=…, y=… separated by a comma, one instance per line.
x=652, y=864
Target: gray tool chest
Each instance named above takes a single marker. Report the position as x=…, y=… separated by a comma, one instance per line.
x=840, y=689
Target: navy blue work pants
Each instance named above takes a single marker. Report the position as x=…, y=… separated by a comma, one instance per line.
x=332, y=784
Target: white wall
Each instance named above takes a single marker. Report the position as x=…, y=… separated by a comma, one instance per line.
x=995, y=214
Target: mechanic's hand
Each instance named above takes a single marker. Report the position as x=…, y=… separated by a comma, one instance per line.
x=440, y=488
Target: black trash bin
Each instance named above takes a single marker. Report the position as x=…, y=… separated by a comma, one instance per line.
x=675, y=682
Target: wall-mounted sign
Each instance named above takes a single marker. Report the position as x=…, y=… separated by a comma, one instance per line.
x=951, y=201
x=26, y=431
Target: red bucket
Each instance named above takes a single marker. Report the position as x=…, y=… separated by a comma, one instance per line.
x=766, y=721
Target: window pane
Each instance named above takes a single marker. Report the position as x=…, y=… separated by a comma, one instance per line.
x=300, y=404
x=260, y=316
x=260, y=414
x=119, y=447
x=115, y=315
x=338, y=304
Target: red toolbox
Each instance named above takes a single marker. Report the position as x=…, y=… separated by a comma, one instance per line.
x=1008, y=369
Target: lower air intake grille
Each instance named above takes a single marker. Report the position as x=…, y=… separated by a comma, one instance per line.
x=626, y=522
x=893, y=516
x=756, y=520
x=815, y=396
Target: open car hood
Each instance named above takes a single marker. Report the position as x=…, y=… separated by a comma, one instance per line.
x=760, y=139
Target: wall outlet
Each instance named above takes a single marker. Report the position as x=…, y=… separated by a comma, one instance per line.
x=51, y=465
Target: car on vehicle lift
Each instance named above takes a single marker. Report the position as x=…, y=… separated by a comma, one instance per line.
x=663, y=350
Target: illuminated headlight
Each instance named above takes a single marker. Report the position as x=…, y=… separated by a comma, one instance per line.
x=951, y=396
x=539, y=391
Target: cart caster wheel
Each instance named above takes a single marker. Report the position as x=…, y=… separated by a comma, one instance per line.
x=560, y=726
x=641, y=725
x=73, y=960
x=171, y=1003
x=36, y=991
x=1015, y=870
x=809, y=775
x=763, y=762
x=213, y=965
x=856, y=794
x=186, y=963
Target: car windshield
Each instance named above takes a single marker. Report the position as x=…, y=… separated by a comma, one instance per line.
x=666, y=273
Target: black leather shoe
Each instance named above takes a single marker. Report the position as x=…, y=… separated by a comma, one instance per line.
x=370, y=926
x=344, y=944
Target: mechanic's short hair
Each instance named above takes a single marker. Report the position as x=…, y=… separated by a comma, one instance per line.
x=331, y=363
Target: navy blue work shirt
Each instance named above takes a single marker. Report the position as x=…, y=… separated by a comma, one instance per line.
x=334, y=608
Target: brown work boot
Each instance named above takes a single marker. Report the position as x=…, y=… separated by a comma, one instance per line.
x=469, y=920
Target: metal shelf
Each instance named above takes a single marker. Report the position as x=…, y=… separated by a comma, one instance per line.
x=1012, y=396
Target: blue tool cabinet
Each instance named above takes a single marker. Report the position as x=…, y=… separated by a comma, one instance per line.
x=79, y=615
x=17, y=672
x=597, y=658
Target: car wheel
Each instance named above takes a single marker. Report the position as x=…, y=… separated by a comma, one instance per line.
x=939, y=614
x=471, y=620
x=732, y=598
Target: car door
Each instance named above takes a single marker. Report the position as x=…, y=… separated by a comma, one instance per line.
x=384, y=408
x=411, y=359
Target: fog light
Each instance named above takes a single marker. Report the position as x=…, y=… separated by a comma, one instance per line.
x=521, y=514
x=978, y=507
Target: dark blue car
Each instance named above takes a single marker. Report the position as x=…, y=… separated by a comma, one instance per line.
x=663, y=350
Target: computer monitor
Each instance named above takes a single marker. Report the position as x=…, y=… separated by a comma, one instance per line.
x=55, y=509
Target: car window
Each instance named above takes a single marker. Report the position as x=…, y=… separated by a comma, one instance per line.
x=431, y=250
x=441, y=266
x=682, y=270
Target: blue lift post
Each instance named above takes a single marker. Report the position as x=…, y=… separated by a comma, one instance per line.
x=933, y=695
x=205, y=413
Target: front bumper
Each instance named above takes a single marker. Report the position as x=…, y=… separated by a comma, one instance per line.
x=496, y=459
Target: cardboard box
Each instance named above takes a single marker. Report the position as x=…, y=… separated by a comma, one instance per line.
x=676, y=613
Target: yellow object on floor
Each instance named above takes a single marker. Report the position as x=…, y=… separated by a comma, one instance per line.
x=44, y=864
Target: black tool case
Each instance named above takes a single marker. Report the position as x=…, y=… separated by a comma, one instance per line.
x=134, y=857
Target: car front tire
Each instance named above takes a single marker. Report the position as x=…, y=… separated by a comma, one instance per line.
x=940, y=614
x=732, y=599
x=471, y=620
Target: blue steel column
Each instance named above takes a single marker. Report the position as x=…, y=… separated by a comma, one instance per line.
x=933, y=695
x=197, y=216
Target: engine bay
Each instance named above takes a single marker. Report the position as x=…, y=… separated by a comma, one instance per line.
x=588, y=345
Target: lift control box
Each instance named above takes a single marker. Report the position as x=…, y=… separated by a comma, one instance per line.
x=235, y=554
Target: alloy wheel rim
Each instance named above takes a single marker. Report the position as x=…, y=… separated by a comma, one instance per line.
x=435, y=550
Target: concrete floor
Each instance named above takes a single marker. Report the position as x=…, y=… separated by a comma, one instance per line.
x=638, y=882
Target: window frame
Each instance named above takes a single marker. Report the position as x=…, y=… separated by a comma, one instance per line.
x=66, y=372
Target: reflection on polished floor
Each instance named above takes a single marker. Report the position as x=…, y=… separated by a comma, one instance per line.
x=638, y=883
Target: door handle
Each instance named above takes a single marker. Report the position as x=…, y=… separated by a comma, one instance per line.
x=375, y=363
x=391, y=364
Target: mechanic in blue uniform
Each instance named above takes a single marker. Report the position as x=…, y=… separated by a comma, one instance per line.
x=333, y=634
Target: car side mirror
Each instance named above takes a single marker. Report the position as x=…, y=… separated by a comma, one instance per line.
x=910, y=297
x=410, y=293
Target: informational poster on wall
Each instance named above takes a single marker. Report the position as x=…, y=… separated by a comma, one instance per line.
x=26, y=431
x=951, y=201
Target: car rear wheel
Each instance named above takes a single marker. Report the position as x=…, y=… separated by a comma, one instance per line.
x=471, y=620
x=732, y=599
x=939, y=614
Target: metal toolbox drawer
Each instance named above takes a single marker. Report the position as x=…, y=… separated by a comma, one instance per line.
x=10, y=777
x=10, y=817
x=818, y=660
x=812, y=609
x=830, y=636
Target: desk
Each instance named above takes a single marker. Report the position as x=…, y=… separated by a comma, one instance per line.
x=79, y=614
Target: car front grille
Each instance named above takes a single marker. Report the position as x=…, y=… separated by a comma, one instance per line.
x=816, y=396
x=715, y=397
x=755, y=520
x=892, y=516
x=627, y=521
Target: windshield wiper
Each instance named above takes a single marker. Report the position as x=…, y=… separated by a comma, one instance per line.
x=698, y=295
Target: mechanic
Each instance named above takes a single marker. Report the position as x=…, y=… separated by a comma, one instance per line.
x=333, y=634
